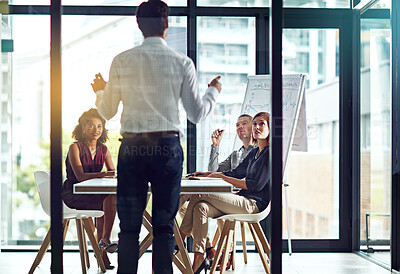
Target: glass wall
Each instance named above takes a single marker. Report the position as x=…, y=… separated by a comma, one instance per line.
x=96, y=2
x=29, y=105
x=382, y=4
x=222, y=3
x=314, y=174
x=286, y=3
x=6, y=127
x=375, y=138
x=226, y=47
x=26, y=101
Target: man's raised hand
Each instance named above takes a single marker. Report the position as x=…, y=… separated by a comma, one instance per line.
x=98, y=83
x=216, y=137
x=216, y=83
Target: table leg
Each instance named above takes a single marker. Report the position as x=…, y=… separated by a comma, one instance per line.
x=181, y=260
x=183, y=263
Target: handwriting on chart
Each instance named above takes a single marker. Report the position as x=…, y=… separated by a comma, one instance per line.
x=291, y=83
x=289, y=101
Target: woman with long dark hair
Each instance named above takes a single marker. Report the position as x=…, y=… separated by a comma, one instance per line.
x=252, y=176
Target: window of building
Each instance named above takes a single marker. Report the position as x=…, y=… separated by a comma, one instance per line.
x=4, y=142
x=234, y=62
x=319, y=165
x=375, y=136
x=97, y=2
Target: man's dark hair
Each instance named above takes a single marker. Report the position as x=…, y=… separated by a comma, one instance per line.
x=245, y=115
x=151, y=17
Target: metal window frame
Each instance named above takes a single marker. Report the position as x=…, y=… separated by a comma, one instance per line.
x=395, y=214
x=338, y=19
x=276, y=133
x=56, y=220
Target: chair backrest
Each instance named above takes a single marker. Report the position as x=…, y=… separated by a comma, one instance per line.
x=263, y=214
x=42, y=178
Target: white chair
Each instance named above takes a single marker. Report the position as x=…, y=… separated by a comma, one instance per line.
x=83, y=220
x=227, y=238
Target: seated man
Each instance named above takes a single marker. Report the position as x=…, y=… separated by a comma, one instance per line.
x=243, y=131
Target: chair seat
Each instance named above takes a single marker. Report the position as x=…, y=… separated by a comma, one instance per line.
x=249, y=218
x=70, y=213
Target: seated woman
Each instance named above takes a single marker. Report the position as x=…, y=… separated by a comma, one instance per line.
x=253, y=197
x=85, y=160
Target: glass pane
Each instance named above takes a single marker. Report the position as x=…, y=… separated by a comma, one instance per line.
x=317, y=3
x=211, y=3
x=226, y=47
x=228, y=3
x=25, y=126
x=375, y=138
x=314, y=52
x=383, y=4
x=25, y=109
x=96, y=2
x=286, y=3
x=31, y=2
x=87, y=52
x=118, y=2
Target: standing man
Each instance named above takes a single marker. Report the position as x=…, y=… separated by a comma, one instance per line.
x=150, y=80
x=243, y=131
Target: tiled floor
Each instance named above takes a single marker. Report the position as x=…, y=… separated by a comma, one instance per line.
x=19, y=263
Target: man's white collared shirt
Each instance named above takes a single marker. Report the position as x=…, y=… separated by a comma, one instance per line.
x=150, y=80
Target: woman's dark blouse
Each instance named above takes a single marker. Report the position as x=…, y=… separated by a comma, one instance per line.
x=257, y=174
x=89, y=165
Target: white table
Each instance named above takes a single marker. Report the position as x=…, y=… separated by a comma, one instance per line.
x=109, y=186
x=204, y=186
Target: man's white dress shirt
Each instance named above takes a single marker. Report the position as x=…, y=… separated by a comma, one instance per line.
x=150, y=80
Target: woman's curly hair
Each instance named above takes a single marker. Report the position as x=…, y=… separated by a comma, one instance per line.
x=78, y=134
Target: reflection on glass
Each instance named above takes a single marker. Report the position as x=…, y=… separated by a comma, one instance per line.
x=31, y=2
x=286, y=3
x=219, y=3
x=89, y=43
x=97, y=2
x=6, y=136
x=25, y=126
x=383, y=4
x=226, y=47
x=375, y=138
x=314, y=174
x=317, y=3
x=229, y=3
